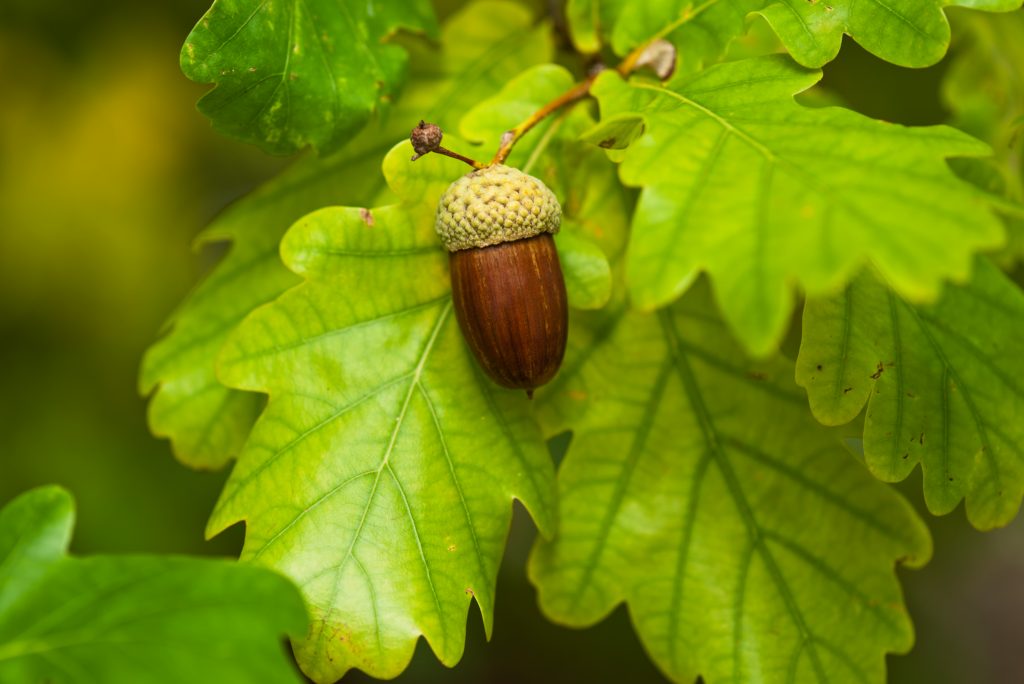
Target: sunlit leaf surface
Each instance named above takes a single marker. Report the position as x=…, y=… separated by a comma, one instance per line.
x=381, y=475
x=762, y=193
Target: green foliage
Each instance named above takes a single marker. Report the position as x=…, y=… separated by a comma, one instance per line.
x=384, y=453
x=687, y=491
x=796, y=195
x=913, y=33
x=292, y=73
x=140, y=619
x=942, y=384
x=698, y=489
x=985, y=91
x=207, y=422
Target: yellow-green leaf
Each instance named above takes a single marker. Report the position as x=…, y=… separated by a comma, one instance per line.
x=380, y=478
x=745, y=542
x=740, y=181
x=942, y=384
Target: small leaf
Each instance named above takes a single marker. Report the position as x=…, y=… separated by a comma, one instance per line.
x=762, y=193
x=942, y=384
x=698, y=491
x=138, y=619
x=616, y=132
x=292, y=73
x=515, y=102
x=207, y=422
x=588, y=277
x=381, y=475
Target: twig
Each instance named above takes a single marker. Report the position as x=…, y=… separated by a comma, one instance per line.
x=511, y=137
x=630, y=63
x=656, y=52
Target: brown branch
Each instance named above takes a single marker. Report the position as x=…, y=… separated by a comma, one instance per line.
x=657, y=53
x=511, y=137
x=630, y=63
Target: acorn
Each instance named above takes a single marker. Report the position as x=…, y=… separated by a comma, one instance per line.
x=507, y=285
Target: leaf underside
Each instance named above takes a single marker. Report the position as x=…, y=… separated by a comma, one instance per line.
x=747, y=545
x=942, y=385
x=984, y=91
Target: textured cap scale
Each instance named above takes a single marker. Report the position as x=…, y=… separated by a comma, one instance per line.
x=493, y=205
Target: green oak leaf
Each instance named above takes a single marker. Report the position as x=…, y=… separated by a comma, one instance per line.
x=984, y=90
x=746, y=543
x=944, y=386
x=483, y=46
x=380, y=476
x=137, y=619
x=292, y=73
x=913, y=33
x=588, y=277
x=762, y=193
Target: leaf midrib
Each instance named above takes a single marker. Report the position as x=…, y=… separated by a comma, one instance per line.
x=629, y=464
x=756, y=536
x=385, y=464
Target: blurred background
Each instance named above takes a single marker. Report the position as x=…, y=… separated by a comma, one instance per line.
x=107, y=172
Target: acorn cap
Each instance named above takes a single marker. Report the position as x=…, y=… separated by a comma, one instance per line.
x=493, y=205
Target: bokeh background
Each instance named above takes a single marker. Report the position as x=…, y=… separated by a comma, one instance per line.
x=107, y=172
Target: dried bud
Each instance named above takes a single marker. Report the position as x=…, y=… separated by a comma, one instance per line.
x=660, y=56
x=426, y=137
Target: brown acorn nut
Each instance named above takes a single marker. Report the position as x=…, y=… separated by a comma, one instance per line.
x=507, y=283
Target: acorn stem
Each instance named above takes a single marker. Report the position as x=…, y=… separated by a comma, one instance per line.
x=455, y=155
